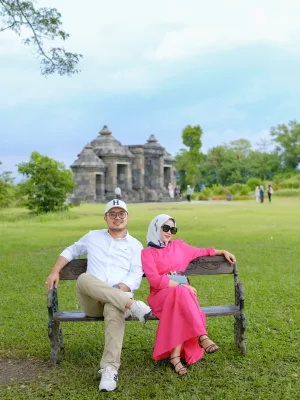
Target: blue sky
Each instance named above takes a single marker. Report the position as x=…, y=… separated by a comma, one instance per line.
x=231, y=67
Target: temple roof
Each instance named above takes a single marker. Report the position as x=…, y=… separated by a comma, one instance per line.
x=152, y=143
x=87, y=158
x=106, y=145
x=168, y=156
x=105, y=131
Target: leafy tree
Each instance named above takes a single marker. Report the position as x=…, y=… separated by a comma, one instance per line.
x=263, y=165
x=253, y=182
x=188, y=162
x=47, y=185
x=7, y=189
x=225, y=165
x=236, y=162
x=287, y=137
x=40, y=24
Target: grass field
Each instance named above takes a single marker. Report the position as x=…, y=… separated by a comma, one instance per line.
x=265, y=239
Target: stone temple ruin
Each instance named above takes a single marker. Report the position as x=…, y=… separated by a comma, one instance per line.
x=143, y=172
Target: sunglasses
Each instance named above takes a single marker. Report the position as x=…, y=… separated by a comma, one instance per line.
x=167, y=228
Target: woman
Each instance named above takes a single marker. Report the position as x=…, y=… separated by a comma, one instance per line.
x=257, y=194
x=270, y=192
x=261, y=193
x=181, y=331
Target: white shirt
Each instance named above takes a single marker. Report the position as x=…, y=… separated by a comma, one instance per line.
x=118, y=191
x=110, y=260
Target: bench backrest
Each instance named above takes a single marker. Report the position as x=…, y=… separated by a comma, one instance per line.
x=199, y=266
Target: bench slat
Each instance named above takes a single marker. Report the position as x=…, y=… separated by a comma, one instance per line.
x=214, y=311
x=209, y=266
x=199, y=266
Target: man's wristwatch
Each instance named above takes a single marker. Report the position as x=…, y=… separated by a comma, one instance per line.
x=117, y=286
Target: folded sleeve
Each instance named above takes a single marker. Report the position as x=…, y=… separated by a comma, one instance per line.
x=77, y=249
x=156, y=280
x=134, y=277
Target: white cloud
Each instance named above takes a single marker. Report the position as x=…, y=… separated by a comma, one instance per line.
x=129, y=46
x=169, y=29
x=224, y=26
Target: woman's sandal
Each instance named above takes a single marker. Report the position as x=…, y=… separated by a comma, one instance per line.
x=209, y=348
x=180, y=369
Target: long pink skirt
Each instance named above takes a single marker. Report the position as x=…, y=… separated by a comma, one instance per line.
x=180, y=322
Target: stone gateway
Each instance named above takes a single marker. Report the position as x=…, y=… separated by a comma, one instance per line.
x=142, y=172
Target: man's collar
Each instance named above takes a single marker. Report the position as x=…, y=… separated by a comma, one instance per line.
x=126, y=236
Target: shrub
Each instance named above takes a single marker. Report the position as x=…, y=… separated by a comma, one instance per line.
x=287, y=192
x=282, y=176
x=218, y=190
x=244, y=190
x=242, y=197
x=207, y=192
x=202, y=197
x=194, y=196
x=235, y=188
x=288, y=185
x=221, y=197
x=253, y=182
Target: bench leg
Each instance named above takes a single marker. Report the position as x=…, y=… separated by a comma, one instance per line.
x=239, y=330
x=56, y=340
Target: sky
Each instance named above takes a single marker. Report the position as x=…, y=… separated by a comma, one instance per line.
x=232, y=67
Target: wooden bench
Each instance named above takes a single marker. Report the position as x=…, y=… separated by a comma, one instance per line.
x=200, y=266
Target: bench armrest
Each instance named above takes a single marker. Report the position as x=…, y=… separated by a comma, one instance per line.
x=239, y=295
x=52, y=300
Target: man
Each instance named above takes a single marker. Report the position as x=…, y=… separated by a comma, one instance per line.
x=189, y=191
x=118, y=192
x=114, y=271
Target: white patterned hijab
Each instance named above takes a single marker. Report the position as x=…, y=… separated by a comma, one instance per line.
x=153, y=235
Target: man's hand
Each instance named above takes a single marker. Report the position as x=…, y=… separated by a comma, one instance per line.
x=124, y=287
x=53, y=278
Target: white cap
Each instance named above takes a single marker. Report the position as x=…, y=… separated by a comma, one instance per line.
x=115, y=203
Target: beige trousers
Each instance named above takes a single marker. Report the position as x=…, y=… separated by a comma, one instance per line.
x=90, y=292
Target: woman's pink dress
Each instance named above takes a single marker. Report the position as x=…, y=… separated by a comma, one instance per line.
x=180, y=319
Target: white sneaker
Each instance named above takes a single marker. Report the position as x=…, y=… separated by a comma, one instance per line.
x=109, y=379
x=140, y=310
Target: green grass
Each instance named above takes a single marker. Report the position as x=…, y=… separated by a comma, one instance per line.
x=265, y=239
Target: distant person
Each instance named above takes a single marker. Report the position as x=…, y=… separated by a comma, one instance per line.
x=189, y=191
x=270, y=192
x=261, y=193
x=171, y=190
x=257, y=194
x=114, y=271
x=177, y=192
x=118, y=192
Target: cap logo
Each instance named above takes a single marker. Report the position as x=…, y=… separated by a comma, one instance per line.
x=115, y=202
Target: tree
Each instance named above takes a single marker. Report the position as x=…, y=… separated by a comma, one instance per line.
x=287, y=137
x=188, y=162
x=40, y=24
x=7, y=189
x=47, y=185
x=263, y=165
x=181, y=161
x=227, y=164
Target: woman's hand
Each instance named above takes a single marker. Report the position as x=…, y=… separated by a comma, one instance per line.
x=192, y=289
x=229, y=257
